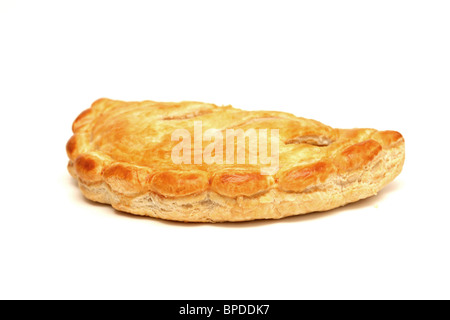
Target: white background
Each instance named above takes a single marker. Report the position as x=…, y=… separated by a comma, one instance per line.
x=381, y=64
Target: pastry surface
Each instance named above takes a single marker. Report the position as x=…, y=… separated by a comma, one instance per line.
x=121, y=154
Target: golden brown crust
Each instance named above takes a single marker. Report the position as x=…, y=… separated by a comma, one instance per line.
x=82, y=120
x=388, y=139
x=357, y=155
x=299, y=178
x=180, y=183
x=121, y=154
x=71, y=146
x=127, y=179
x=245, y=183
x=89, y=167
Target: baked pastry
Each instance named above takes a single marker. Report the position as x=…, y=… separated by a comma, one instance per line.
x=121, y=153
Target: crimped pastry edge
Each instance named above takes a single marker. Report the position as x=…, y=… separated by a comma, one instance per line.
x=210, y=206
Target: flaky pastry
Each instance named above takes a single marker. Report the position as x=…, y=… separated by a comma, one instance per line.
x=121, y=154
